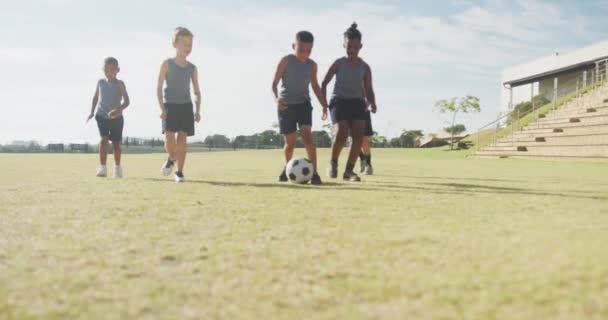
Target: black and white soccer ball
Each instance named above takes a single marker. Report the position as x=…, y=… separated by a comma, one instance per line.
x=299, y=170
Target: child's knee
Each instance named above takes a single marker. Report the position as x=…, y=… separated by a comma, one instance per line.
x=289, y=144
x=104, y=140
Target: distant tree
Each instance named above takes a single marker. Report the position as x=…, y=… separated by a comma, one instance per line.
x=217, y=141
x=379, y=141
x=456, y=129
x=408, y=138
x=455, y=105
x=321, y=139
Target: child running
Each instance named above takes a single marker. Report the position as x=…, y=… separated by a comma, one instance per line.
x=348, y=105
x=297, y=72
x=110, y=100
x=176, y=103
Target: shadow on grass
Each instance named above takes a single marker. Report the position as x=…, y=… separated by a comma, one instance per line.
x=285, y=185
x=464, y=189
x=478, y=188
x=450, y=178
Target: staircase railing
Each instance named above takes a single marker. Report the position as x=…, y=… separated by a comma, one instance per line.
x=507, y=123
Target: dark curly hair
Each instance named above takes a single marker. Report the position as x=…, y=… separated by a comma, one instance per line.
x=353, y=33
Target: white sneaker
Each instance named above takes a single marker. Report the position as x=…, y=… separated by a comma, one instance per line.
x=167, y=167
x=102, y=171
x=369, y=170
x=179, y=177
x=118, y=172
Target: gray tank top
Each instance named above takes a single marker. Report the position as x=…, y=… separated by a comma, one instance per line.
x=296, y=80
x=349, y=80
x=177, y=89
x=110, y=97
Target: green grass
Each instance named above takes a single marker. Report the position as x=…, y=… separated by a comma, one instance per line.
x=431, y=236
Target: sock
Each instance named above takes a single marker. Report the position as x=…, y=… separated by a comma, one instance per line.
x=362, y=156
x=349, y=167
x=369, y=159
x=334, y=162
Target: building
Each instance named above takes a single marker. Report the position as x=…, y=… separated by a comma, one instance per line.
x=555, y=76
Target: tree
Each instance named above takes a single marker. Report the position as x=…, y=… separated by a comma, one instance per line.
x=456, y=129
x=217, y=141
x=379, y=141
x=408, y=138
x=455, y=105
x=321, y=139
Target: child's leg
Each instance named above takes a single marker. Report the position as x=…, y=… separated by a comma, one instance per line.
x=117, y=152
x=357, y=135
x=289, y=146
x=342, y=130
x=309, y=143
x=182, y=146
x=103, y=150
x=365, y=147
x=170, y=145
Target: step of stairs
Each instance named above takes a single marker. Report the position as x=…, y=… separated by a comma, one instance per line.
x=591, y=151
x=570, y=122
x=579, y=129
x=564, y=140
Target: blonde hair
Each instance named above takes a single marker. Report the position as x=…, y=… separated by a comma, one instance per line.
x=181, y=32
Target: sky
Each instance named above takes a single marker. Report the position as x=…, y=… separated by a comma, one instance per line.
x=52, y=51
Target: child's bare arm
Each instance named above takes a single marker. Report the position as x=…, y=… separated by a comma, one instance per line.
x=314, y=82
x=125, y=97
x=94, y=102
x=275, y=83
x=369, y=89
x=197, y=93
x=159, y=88
x=330, y=74
x=125, y=102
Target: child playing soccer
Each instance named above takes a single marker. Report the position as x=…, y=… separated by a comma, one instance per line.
x=110, y=99
x=348, y=105
x=297, y=72
x=176, y=103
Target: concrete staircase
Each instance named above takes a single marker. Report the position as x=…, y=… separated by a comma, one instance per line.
x=579, y=129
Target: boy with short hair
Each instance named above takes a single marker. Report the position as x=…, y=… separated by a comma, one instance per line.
x=110, y=100
x=176, y=103
x=297, y=72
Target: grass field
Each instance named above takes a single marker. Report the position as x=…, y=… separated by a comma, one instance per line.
x=431, y=236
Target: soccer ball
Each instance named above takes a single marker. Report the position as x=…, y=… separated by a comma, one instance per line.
x=299, y=170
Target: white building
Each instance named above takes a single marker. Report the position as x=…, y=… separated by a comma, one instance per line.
x=554, y=76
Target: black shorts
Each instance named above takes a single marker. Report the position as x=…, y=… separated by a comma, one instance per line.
x=369, y=130
x=347, y=110
x=180, y=117
x=110, y=128
x=294, y=117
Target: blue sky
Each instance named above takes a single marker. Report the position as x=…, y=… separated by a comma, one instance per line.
x=51, y=54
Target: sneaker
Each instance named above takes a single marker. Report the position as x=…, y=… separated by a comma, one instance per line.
x=118, y=172
x=316, y=180
x=102, y=171
x=350, y=176
x=363, y=165
x=179, y=177
x=283, y=176
x=167, y=167
x=369, y=171
x=332, y=170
